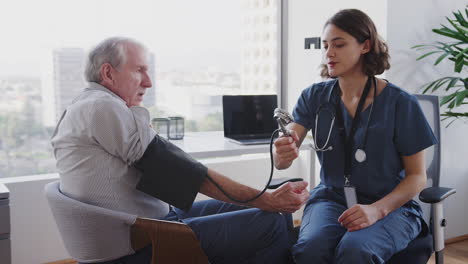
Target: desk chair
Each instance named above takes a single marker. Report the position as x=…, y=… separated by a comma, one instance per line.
x=119, y=234
x=428, y=241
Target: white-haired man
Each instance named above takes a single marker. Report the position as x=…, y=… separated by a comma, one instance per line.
x=103, y=136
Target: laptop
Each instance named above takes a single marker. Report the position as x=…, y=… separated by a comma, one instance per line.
x=248, y=119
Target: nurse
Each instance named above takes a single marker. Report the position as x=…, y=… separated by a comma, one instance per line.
x=370, y=137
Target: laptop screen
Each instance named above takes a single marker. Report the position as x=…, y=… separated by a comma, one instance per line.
x=249, y=116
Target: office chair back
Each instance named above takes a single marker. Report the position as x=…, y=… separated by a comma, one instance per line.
x=430, y=107
x=90, y=233
x=420, y=249
x=94, y=234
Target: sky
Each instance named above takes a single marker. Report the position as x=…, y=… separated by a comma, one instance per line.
x=183, y=34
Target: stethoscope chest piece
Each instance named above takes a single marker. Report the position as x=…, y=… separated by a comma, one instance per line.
x=360, y=155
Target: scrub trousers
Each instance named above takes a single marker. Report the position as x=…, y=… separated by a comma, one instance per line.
x=322, y=239
x=230, y=234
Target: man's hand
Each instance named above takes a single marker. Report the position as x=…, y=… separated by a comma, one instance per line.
x=288, y=198
x=360, y=216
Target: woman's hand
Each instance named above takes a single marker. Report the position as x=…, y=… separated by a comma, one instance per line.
x=286, y=150
x=360, y=216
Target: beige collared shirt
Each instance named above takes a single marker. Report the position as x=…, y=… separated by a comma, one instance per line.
x=95, y=143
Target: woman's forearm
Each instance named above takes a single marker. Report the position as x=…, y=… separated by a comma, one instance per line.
x=410, y=186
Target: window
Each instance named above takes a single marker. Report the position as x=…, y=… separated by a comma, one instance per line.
x=200, y=50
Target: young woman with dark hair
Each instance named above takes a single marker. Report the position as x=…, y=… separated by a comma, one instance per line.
x=370, y=137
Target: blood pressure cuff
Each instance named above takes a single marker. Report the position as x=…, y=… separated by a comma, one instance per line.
x=170, y=174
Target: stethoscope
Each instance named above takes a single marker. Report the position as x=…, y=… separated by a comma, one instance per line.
x=314, y=143
x=360, y=154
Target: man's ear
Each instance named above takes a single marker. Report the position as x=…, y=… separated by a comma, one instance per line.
x=366, y=46
x=106, y=72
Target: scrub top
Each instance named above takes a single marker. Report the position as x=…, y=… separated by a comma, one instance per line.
x=397, y=128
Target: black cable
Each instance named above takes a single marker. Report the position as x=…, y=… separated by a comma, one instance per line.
x=266, y=186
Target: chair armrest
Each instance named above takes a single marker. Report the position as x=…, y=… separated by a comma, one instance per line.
x=172, y=242
x=142, y=228
x=435, y=194
x=275, y=183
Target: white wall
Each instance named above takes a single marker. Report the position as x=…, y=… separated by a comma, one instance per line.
x=34, y=235
x=410, y=23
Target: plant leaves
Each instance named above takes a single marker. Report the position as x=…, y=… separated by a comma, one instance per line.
x=427, y=54
x=460, y=19
x=447, y=98
x=452, y=83
x=444, y=32
x=449, y=33
x=450, y=122
x=451, y=104
x=441, y=58
x=459, y=62
x=461, y=33
x=420, y=46
x=455, y=51
x=460, y=97
x=428, y=86
x=442, y=81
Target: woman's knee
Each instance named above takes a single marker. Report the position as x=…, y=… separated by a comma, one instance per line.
x=354, y=249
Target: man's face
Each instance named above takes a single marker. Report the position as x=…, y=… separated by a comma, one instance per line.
x=131, y=79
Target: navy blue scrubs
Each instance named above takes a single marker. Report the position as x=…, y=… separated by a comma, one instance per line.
x=397, y=128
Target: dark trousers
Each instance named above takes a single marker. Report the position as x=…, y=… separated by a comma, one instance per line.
x=230, y=234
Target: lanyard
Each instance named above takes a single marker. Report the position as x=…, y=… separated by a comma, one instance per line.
x=348, y=140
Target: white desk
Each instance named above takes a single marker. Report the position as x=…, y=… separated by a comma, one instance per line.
x=203, y=145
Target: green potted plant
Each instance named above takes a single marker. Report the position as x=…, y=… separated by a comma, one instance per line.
x=455, y=50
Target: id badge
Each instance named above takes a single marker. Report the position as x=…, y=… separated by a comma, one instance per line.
x=350, y=195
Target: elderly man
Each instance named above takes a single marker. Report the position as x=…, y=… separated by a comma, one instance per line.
x=103, y=144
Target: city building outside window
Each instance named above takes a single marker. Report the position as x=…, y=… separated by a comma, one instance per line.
x=199, y=51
